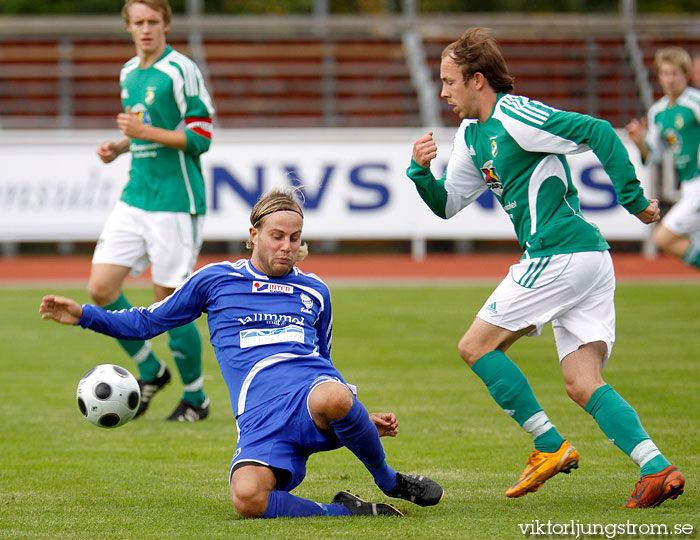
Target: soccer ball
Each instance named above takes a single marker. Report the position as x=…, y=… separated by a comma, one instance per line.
x=108, y=396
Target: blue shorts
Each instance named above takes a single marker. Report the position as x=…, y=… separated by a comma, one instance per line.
x=281, y=435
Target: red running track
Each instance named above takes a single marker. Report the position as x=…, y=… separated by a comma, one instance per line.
x=358, y=268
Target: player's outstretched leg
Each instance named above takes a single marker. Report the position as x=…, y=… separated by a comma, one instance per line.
x=284, y=504
x=253, y=495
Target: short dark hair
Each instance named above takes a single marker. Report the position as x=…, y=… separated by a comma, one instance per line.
x=475, y=51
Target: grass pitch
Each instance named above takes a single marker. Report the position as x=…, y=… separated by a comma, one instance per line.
x=62, y=478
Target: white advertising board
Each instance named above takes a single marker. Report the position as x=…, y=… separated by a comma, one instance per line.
x=54, y=188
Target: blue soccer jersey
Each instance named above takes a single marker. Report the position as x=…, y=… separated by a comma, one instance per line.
x=270, y=335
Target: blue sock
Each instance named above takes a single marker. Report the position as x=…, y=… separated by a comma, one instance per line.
x=359, y=435
x=284, y=504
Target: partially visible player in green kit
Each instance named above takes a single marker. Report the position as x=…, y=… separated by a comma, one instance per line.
x=673, y=123
x=167, y=123
x=516, y=147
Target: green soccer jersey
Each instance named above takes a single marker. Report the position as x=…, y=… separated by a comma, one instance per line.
x=676, y=127
x=519, y=154
x=170, y=94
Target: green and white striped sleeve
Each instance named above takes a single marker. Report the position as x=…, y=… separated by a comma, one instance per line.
x=538, y=128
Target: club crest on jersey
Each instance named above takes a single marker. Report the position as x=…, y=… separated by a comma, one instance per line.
x=494, y=147
x=493, y=181
x=308, y=303
x=150, y=96
x=673, y=140
x=678, y=122
x=263, y=286
x=142, y=114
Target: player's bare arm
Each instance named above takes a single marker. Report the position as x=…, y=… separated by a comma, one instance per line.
x=651, y=213
x=60, y=309
x=425, y=150
x=130, y=125
x=386, y=423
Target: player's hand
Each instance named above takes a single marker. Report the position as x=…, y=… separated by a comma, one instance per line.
x=425, y=150
x=130, y=125
x=108, y=151
x=651, y=213
x=60, y=309
x=386, y=423
x=637, y=130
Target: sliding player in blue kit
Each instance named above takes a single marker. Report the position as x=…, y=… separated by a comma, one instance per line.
x=270, y=326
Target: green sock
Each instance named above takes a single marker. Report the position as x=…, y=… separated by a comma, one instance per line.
x=692, y=256
x=186, y=346
x=510, y=389
x=621, y=424
x=139, y=350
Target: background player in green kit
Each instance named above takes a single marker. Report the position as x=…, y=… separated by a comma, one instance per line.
x=516, y=148
x=674, y=122
x=167, y=124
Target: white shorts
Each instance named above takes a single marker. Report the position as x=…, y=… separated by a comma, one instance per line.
x=133, y=237
x=575, y=292
x=683, y=218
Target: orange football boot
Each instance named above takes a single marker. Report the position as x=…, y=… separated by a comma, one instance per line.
x=541, y=466
x=653, y=489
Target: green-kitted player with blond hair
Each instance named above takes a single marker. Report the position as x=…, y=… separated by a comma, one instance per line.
x=673, y=123
x=516, y=148
x=167, y=123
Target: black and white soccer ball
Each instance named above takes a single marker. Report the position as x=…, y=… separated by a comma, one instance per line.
x=108, y=396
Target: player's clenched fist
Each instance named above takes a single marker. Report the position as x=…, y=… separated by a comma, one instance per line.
x=424, y=150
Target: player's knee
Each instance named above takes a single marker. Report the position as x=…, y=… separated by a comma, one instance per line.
x=329, y=402
x=249, y=502
x=338, y=401
x=101, y=293
x=469, y=351
x=579, y=392
x=668, y=241
x=660, y=238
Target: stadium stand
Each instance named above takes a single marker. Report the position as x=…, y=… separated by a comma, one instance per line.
x=344, y=76
x=311, y=82
x=30, y=83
